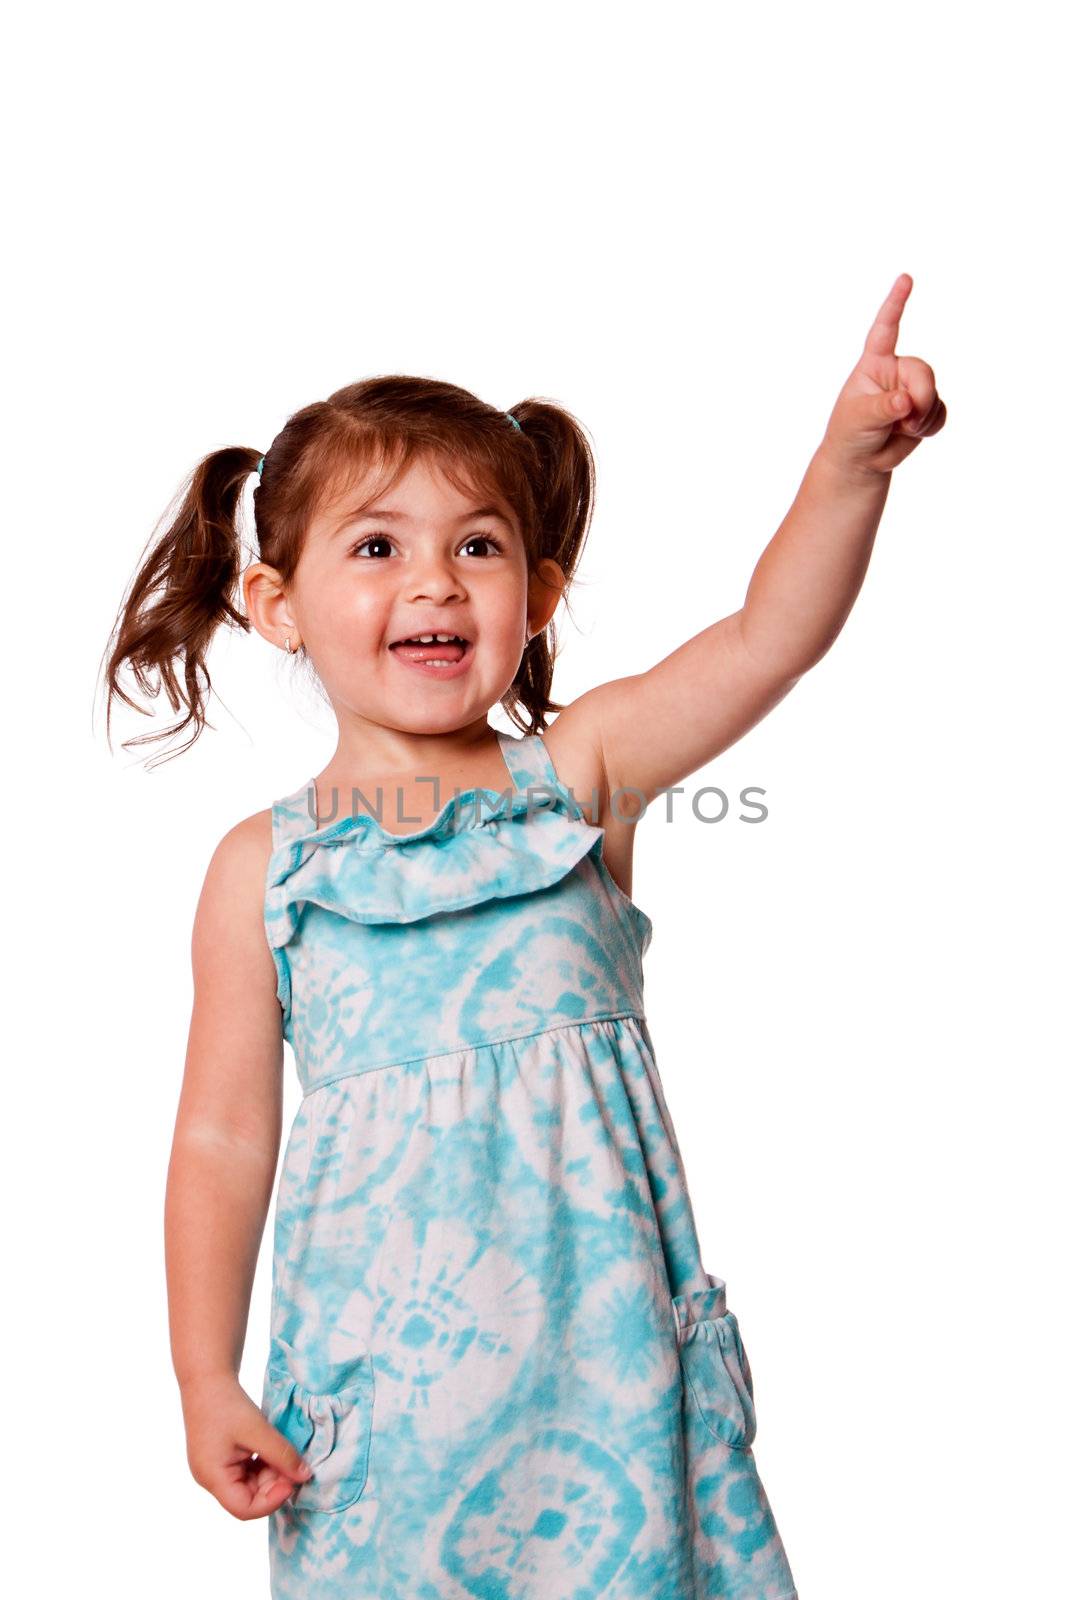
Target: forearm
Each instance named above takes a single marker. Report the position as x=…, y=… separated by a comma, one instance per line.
x=218, y=1196
x=806, y=581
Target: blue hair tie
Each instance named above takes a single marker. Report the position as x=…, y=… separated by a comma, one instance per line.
x=511, y=419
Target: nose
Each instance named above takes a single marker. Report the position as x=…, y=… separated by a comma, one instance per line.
x=433, y=577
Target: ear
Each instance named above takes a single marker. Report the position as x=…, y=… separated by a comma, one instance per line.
x=266, y=604
x=544, y=590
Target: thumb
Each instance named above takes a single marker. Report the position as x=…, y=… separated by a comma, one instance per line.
x=893, y=404
x=275, y=1449
x=873, y=413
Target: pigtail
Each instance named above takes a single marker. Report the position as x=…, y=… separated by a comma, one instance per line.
x=564, y=483
x=182, y=592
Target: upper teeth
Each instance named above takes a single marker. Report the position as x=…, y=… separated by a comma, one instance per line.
x=432, y=638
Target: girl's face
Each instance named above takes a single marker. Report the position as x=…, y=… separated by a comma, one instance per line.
x=422, y=558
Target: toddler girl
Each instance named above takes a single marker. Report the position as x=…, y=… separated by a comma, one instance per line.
x=498, y=1366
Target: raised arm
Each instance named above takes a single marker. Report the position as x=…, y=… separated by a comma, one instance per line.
x=656, y=727
x=221, y=1177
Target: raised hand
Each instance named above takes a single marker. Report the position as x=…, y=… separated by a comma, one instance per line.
x=889, y=403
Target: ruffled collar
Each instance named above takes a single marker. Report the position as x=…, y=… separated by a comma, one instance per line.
x=469, y=810
x=484, y=844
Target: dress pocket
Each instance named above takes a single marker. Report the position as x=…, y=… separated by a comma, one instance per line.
x=324, y=1408
x=715, y=1364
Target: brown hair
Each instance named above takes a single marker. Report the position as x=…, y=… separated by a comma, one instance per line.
x=186, y=583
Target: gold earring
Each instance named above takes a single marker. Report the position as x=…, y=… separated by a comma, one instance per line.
x=288, y=646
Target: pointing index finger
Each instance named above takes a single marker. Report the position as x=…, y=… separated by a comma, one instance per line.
x=882, y=339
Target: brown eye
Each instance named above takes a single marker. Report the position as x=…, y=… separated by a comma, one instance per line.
x=483, y=538
x=371, y=539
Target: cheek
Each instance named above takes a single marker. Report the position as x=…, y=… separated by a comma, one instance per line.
x=502, y=609
x=356, y=609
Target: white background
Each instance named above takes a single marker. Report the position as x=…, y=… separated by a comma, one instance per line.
x=679, y=223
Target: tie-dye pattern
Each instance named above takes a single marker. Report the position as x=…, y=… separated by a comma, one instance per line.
x=491, y=1331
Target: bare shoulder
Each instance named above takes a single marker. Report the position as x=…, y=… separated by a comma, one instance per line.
x=233, y=1073
x=242, y=852
x=229, y=915
x=574, y=745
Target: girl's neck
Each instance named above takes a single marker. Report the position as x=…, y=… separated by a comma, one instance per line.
x=405, y=799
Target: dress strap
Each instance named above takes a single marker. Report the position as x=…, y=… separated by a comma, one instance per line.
x=291, y=817
x=531, y=767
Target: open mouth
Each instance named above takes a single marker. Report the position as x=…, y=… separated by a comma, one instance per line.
x=432, y=649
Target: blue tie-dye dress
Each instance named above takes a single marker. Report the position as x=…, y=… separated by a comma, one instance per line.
x=491, y=1331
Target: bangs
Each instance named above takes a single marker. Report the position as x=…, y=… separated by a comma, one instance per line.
x=359, y=471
